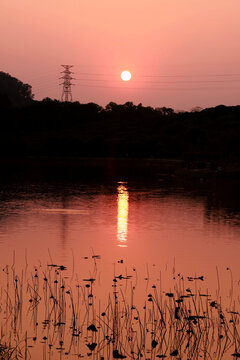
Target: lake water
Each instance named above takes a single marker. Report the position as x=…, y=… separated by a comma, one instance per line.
x=144, y=219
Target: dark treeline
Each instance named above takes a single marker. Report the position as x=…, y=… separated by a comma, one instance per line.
x=54, y=128
x=72, y=129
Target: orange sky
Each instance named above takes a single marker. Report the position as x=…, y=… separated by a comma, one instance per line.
x=194, y=40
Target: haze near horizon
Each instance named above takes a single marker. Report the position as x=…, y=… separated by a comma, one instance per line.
x=181, y=54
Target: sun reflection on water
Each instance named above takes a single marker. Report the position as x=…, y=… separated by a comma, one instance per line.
x=122, y=225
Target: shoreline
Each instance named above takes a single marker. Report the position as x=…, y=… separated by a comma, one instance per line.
x=173, y=167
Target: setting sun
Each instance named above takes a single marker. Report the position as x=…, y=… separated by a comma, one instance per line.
x=126, y=75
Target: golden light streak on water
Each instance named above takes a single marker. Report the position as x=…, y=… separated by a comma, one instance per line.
x=122, y=224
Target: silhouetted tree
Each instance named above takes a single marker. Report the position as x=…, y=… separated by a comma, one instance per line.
x=4, y=101
x=196, y=109
x=165, y=111
x=17, y=92
x=111, y=106
x=51, y=127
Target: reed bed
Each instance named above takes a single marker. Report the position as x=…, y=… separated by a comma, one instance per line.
x=47, y=315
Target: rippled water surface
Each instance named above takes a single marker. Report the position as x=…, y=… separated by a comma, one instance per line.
x=147, y=216
x=141, y=211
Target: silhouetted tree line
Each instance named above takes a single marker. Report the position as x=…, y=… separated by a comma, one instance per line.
x=13, y=91
x=54, y=128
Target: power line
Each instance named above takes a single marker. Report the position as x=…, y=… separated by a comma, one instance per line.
x=140, y=82
x=168, y=82
x=158, y=88
x=164, y=76
x=192, y=75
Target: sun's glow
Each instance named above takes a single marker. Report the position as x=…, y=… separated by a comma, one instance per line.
x=126, y=75
x=122, y=223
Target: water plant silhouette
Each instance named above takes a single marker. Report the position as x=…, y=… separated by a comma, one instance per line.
x=43, y=314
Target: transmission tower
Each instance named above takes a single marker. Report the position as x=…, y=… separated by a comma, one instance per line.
x=66, y=91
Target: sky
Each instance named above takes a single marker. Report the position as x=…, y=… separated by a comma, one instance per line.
x=181, y=53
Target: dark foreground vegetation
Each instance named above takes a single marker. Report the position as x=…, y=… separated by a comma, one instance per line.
x=48, y=315
x=54, y=128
